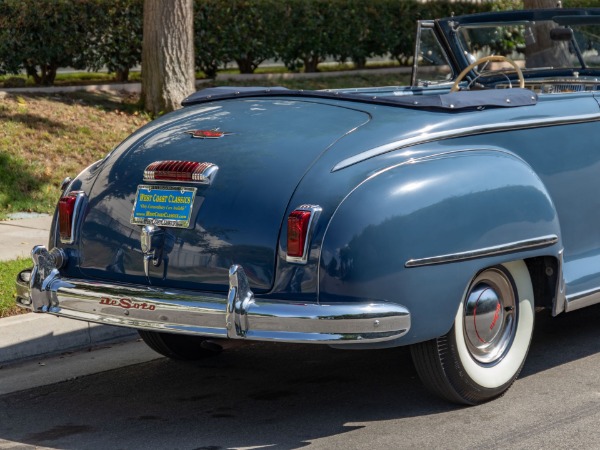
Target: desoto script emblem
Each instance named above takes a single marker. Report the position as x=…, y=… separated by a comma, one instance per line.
x=126, y=303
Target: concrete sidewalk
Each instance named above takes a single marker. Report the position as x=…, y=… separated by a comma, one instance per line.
x=34, y=335
x=17, y=237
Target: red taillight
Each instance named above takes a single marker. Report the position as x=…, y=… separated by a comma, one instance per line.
x=297, y=230
x=301, y=223
x=66, y=212
x=186, y=171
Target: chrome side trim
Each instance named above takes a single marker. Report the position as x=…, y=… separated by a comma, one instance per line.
x=462, y=132
x=582, y=299
x=239, y=315
x=528, y=244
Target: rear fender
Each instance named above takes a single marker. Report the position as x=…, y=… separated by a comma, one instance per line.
x=380, y=240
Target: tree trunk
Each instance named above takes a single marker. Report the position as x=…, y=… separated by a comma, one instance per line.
x=246, y=65
x=122, y=75
x=46, y=76
x=311, y=63
x=360, y=62
x=167, y=54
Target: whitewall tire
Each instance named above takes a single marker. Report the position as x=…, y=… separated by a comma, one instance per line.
x=484, y=352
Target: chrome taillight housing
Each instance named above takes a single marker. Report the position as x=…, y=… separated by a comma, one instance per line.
x=300, y=226
x=68, y=206
x=181, y=171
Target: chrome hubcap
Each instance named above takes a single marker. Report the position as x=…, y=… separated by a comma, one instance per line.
x=490, y=314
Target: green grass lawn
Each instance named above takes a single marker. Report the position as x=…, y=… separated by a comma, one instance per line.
x=45, y=138
x=8, y=275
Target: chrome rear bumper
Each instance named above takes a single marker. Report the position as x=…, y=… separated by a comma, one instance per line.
x=238, y=315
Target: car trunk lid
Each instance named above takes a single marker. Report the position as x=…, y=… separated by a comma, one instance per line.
x=262, y=148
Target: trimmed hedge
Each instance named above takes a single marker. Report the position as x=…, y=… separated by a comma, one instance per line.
x=241, y=30
x=39, y=36
x=40, y=39
x=303, y=33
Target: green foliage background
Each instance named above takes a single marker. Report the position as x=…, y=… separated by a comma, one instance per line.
x=39, y=36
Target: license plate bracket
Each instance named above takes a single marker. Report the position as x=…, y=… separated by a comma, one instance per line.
x=165, y=206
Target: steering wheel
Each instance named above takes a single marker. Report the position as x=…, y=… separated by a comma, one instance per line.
x=491, y=58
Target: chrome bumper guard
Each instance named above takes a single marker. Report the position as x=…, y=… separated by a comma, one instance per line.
x=239, y=315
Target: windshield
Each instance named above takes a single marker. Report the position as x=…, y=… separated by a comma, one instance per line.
x=564, y=42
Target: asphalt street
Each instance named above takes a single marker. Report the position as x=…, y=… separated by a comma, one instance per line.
x=280, y=396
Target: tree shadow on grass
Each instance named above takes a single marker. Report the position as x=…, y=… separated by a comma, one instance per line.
x=105, y=101
x=32, y=117
x=36, y=122
x=17, y=181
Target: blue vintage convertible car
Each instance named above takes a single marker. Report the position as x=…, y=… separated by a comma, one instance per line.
x=439, y=215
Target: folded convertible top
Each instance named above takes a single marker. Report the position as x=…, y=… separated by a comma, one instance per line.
x=455, y=101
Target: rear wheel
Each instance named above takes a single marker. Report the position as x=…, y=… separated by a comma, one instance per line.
x=484, y=351
x=179, y=346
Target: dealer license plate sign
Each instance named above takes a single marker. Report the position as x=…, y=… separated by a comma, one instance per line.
x=167, y=206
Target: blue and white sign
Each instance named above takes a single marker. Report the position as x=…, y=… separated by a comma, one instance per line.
x=167, y=206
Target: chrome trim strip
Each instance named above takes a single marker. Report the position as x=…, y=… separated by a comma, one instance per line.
x=239, y=315
x=582, y=299
x=462, y=132
x=528, y=244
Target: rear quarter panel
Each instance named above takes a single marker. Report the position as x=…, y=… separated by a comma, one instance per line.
x=460, y=200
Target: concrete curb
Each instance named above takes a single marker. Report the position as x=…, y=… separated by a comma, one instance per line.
x=34, y=335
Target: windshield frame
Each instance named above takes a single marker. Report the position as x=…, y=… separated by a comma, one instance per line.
x=450, y=28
